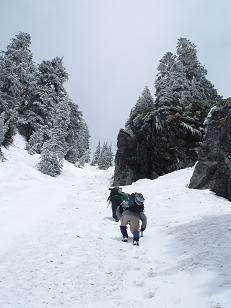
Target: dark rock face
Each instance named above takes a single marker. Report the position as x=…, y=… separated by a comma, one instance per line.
x=164, y=142
x=213, y=170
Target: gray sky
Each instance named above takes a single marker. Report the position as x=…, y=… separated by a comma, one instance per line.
x=111, y=48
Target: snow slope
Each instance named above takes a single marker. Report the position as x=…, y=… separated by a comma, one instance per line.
x=60, y=248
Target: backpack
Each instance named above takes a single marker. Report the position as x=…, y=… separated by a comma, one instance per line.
x=114, y=191
x=136, y=203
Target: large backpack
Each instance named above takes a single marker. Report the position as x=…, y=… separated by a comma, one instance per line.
x=114, y=191
x=136, y=203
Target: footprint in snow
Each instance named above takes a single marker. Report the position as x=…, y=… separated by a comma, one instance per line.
x=150, y=295
x=151, y=274
x=138, y=283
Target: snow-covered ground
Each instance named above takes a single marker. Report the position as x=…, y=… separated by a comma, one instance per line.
x=60, y=248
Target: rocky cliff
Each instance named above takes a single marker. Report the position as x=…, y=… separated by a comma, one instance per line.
x=163, y=141
x=213, y=170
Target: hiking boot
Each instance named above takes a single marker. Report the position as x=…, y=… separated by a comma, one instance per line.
x=136, y=243
x=124, y=239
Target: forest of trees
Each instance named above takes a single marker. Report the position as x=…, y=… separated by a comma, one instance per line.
x=103, y=156
x=181, y=84
x=34, y=102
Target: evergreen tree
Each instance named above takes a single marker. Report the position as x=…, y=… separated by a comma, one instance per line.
x=110, y=155
x=49, y=92
x=201, y=88
x=36, y=140
x=83, y=159
x=77, y=138
x=83, y=138
x=106, y=157
x=143, y=106
x=96, y=155
x=181, y=82
x=17, y=81
x=55, y=148
x=33, y=99
x=187, y=55
x=163, y=90
x=171, y=87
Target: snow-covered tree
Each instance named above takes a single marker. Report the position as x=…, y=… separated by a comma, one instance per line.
x=143, y=105
x=17, y=80
x=181, y=82
x=83, y=159
x=106, y=157
x=36, y=140
x=96, y=155
x=77, y=138
x=171, y=87
x=84, y=147
x=205, y=93
x=55, y=148
x=163, y=78
x=49, y=93
x=187, y=55
x=110, y=155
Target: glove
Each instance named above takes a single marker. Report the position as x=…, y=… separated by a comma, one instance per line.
x=142, y=229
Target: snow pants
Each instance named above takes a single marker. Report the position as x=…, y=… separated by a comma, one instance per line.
x=133, y=221
x=114, y=206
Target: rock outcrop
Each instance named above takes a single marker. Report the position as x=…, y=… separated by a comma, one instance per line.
x=163, y=142
x=213, y=170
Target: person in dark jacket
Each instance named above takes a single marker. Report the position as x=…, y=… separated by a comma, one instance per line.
x=116, y=197
x=130, y=213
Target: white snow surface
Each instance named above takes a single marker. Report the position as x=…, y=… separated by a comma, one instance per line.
x=59, y=246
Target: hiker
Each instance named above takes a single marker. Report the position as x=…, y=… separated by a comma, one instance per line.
x=131, y=213
x=116, y=197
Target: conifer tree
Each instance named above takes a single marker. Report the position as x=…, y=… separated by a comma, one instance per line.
x=143, y=105
x=55, y=148
x=83, y=138
x=50, y=92
x=106, y=157
x=187, y=55
x=17, y=81
x=110, y=155
x=181, y=82
x=78, y=138
x=96, y=155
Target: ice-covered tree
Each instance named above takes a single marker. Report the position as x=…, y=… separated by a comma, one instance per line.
x=171, y=87
x=187, y=55
x=205, y=93
x=78, y=147
x=106, y=157
x=83, y=143
x=17, y=80
x=50, y=91
x=96, y=155
x=143, y=105
x=163, y=77
x=181, y=82
x=55, y=148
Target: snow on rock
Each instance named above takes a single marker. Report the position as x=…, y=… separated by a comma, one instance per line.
x=60, y=247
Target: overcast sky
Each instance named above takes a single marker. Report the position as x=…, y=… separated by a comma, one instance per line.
x=111, y=48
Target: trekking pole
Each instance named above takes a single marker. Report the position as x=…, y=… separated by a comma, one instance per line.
x=141, y=233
